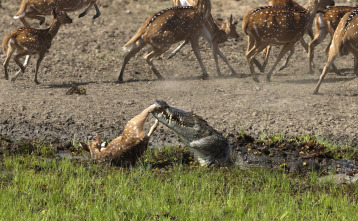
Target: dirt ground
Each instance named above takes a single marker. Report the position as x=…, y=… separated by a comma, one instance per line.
x=90, y=54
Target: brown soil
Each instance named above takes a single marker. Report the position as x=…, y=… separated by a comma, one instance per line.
x=90, y=54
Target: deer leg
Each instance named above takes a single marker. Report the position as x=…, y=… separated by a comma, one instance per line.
x=250, y=45
x=331, y=57
x=178, y=49
x=22, y=68
x=136, y=48
x=149, y=59
x=152, y=129
x=24, y=22
x=215, y=54
x=267, y=54
x=250, y=54
x=86, y=10
x=304, y=44
x=195, y=45
x=226, y=61
x=310, y=32
x=288, y=59
x=318, y=38
x=333, y=66
x=27, y=60
x=355, y=67
x=39, y=59
x=354, y=51
x=98, y=12
x=283, y=51
x=40, y=18
x=10, y=51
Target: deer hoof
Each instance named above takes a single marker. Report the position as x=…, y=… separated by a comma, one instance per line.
x=255, y=79
x=204, y=77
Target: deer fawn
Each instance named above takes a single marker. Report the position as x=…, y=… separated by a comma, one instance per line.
x=126, y=149
x=326, y=22
x=266, y=26
x=214, y=32
x=165, y=28
x=30, y=41
x=35, y=8
x=344, y=40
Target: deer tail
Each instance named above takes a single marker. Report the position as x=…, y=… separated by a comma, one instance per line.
x=21, y=12
x=5, y=41
x=137, y=36
x=244, y=26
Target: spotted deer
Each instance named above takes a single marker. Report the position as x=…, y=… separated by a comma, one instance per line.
x=165, y=28
x=294, y=6
x=326, y=22
x=222, y=32
x=214, y=31
x=269, y=25
x=30, y=41
x=35, y=9
x=345, y=41
x=127, y=148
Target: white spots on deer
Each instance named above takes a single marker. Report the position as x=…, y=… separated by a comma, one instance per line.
x=29, y=41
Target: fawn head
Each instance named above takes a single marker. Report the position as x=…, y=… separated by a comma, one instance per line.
x=61, y=16
x=230, y=28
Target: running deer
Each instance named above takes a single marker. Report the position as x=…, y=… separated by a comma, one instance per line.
x=214, y=32
x=165, y=28
x=29, y=41
x=326, y=22
x=345, y=41
x=294, y=6
x=35, y=9
x=127, y=148
x=269, y=25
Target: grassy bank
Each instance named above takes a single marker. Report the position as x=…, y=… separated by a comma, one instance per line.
x=34, y=187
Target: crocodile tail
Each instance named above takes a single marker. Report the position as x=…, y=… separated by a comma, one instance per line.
x=21, y=12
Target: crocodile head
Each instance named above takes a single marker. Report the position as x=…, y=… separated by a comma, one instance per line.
x=208, y=145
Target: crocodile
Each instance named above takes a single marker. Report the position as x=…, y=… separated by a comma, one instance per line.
x=208, y=145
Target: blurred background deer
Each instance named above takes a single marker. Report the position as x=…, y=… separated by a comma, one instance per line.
x=326, y=22
x=345, y=41
x=215, y=32
x=165, y=28
x=267, y=26
x=36, y=9
x=30, y=41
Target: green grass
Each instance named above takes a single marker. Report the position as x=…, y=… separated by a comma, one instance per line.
x=34, y=187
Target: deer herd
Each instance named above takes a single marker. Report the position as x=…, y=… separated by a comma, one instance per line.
x=281, y=22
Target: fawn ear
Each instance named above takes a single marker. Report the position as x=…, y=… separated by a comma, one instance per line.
x=54, y=12
x=96, y=142
x=231, y=19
